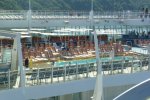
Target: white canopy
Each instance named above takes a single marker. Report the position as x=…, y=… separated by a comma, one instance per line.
x=62, y=34
x=72, y=30
x=4, y=37
x=32, y=29
x=108, y=32
x=25, y=36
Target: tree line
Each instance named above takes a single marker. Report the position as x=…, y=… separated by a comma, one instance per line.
x=99, y=5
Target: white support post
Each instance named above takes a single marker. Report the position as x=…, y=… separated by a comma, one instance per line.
x=20, y=65
x=20, y=61
x=29, y=15
x=112, y=54
x=9, y=79
x=92, y=5
x=87, y=67
x=132, y=65
x=38, y=74
x=64, y=73
x=122, y=65
x=112, y=65
x=141, y=64
x=52, y=75
x=98, y=91
x=29, y=20
x=149, y=57
x=1, y=45
x=76, y=70
x=14, y=55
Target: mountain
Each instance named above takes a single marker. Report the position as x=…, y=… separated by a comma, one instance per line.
x=101, y=5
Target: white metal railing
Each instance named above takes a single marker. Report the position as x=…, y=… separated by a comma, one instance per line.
x=41, y=14
x=71, y=72
x=11, y=79
x=8, y=79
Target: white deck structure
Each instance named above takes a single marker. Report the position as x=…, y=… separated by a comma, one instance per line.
x=45, y=19
x=63, y=82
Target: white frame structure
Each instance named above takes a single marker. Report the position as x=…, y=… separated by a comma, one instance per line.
x=16, y=54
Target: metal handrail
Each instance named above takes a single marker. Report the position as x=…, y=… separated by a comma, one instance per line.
x=71, y=72
x=49, y=14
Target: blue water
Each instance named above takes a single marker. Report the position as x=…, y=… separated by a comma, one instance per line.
x=85, y=61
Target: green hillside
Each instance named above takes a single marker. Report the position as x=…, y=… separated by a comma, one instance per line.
x=102, y=5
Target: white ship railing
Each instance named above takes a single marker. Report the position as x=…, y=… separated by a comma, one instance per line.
x=52, y=75
x=41, y=14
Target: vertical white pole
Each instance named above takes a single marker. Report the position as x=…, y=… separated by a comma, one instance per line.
x=76, y=70
x=148, y=56
x=92, y=6
x=65, y=73
x=29, y=16
x=29, y=4
x=38, y=75
x=91, y=14
x=14, y=55
x=132, y=65
x=52, y=74
x=87, y=73
x=98, y=91
x=9, y=79
x=29, y=20
x=1, y=50
x=20, y=65
x=20, y=61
